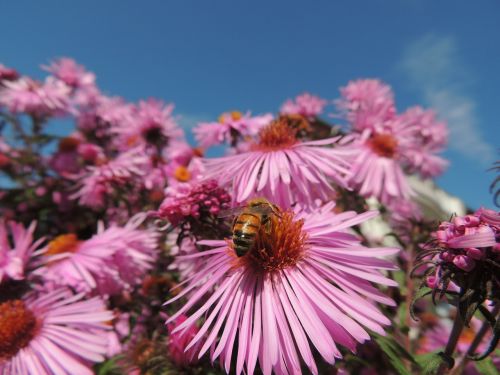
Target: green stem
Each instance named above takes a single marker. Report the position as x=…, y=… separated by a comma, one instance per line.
x=458, y=326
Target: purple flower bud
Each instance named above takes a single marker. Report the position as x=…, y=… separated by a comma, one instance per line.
x=464, y=262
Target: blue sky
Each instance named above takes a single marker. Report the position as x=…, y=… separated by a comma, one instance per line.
x=212, y=56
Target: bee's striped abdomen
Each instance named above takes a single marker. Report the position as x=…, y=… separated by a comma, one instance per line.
x=245, y=229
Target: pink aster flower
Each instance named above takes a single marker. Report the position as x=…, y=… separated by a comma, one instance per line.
x=152, y=124
x=71, y=73
x=28, y=96
x=376, y=167
x=230, y=127
x=100, y=181
x=421, y=136
x=306, y=105
x=16, y=249
x=305, y=282
x=282, y=168
x=367, y=103
x=52, y=333
x=105, y=114
x=114, y=259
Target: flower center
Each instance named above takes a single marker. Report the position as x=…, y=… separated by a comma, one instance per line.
x=384, y=145
x=153, y=134
x=277, y=135
x=278, y=245
x=182, y=174
x=234, y=116
x=17, y=327
x=65, y=243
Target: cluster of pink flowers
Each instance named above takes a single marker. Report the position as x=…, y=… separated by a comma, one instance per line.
x=262, y=262
x=193, y=201
x=470, y=238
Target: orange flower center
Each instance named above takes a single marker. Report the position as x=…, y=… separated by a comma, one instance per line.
x=182, y=174
x=17, y=327
x=65, y=243
x=384, y=145
x=234, y=115
x=277, y=135
x=279, y=245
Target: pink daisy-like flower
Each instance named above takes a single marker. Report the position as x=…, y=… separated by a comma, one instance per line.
x=388, y=145
x=368, y=103
x=230, y=127
x=306, y=105
x=28, y=96
x=100, y=181
x=152, y=124
x=112, y=260
x=71, y=73
x=305, y=281
x=421, y=136
x=52, y=333
x=15, y=254
x=281, y=168
x=376, y=167
x=105, y=114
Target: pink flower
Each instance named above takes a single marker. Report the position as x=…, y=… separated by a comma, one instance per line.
x=52, y=333
x=177, y=344
x=376, y=171
x=368, y=103
x=306, y=105
x=112, y=260
x=100, y=181
x=421, y=136
x=230, y=128
x=152, y=123
x=281, y=168
x=193, y=202
x=103, y=115
x=71, y=73
x=306, y=281
x=28, y=96
x=17, y=248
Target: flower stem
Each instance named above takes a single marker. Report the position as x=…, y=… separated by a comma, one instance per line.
x=458, y=326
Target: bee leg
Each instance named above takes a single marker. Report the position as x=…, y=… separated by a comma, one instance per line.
x=267, y=224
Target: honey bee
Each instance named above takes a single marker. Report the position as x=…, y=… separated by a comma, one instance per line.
x=249, y=219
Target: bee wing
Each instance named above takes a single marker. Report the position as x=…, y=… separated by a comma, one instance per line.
x=262, y=209
x=230, y=212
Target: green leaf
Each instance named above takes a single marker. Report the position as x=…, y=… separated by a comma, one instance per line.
x=430, y=362
x=486, y=367
x=395, y=353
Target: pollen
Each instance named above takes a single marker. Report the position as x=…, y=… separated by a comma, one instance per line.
x=277, y=135
x=276, y=248
x=17, y=328
x=65, y=243
x=234, y=116
x=182, y=174
x=384, y=145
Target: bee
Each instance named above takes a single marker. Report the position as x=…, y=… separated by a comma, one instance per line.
x=249, y=219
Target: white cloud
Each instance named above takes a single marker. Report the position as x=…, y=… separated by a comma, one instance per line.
x=434, y=68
